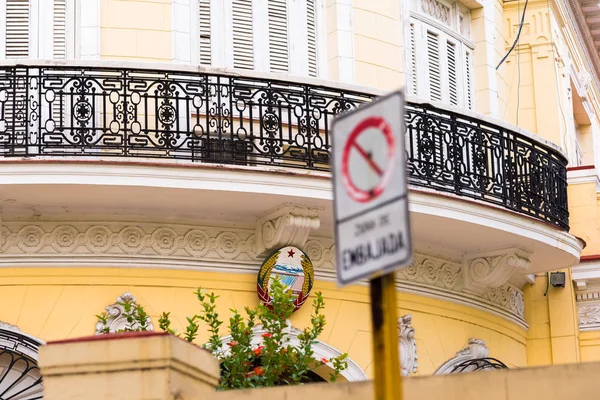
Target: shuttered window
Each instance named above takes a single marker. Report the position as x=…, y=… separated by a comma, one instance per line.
x=433, y=66
x=243, y=50
x=17, y=29
x=468, y=80
x=266, y=35
x=412, y=60
x=59, y=25
x=439, y=65
x=452, y=73
x=204, y=32
x=278, y=36
x=312, y=37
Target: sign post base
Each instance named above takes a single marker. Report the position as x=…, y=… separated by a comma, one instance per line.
x=388, y=380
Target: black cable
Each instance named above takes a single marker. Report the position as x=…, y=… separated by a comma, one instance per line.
x=517, y=38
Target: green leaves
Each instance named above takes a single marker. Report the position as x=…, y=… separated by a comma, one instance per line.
x=259, y=352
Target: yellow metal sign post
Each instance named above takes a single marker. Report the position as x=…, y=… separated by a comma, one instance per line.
x=388, y=379
x=372, y=221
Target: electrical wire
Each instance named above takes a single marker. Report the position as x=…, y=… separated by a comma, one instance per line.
x=519, y=64
x=517, y=38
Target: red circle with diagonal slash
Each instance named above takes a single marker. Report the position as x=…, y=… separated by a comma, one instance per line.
x=383, y=172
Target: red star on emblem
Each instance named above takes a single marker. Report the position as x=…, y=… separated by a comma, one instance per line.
x=291, y=253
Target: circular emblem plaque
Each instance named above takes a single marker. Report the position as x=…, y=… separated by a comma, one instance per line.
x=294, y=269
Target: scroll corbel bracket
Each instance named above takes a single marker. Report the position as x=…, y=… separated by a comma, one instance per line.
x=289, y=225
x=493, y=269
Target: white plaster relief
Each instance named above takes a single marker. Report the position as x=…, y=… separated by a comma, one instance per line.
x=116, y=319
x=493, y=269
x=476, y=348
x=407, y=345
x=224, y=250
x=289, y=225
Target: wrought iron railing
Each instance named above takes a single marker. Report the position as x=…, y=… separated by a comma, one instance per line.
x=225, y=118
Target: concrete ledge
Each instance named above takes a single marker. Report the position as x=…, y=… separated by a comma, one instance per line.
x=564, y=382
x=144, y=365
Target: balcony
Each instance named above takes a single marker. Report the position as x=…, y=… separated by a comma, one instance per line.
x=50, y=111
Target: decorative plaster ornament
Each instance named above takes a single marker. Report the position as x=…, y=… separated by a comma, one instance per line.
x=295, y=270
x=407, y=345
x=116, y=320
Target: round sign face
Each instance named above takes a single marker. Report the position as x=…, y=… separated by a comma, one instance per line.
x=294, y=269
x=368, y=159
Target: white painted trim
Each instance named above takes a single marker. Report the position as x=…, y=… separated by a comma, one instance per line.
x=345, y=40
x=221, y=41
x=35, y=30
x=260, y=16
x=181, y=30
x=297, y=37
x=2, y=28
x=194, y=42
x=588, y=270
x=88, y=43
x=45, y=15
x=582, y=176
x=321, y=24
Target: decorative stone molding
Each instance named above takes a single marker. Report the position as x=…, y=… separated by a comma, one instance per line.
x=589, y=316
x=433, y=274
x=407, y=345
x=116, y=320
x=476, y=348
x=586, y=279
x=289, y=225
x=220, y=249
x=126, y=239
x=437, y=10
x=492, y=269
x=321, y=350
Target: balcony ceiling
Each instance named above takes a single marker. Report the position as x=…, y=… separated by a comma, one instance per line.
x=591, y=11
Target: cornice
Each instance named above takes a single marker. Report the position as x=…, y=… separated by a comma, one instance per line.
x=227, y=250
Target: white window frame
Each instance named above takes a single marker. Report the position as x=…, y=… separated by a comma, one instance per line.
x=222, y=40
x=447, y=32
x=41, y=27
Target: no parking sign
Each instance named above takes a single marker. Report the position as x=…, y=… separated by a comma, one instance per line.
x=370, y=190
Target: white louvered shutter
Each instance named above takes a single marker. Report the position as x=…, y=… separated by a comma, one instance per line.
x=278, y=36
x=433, y=66
x=312, y=37
x=452, y=73
x=413, y=60
x=243, y=49
x=17, y=29
x=204, y=32
x=59, y=26
x=468, y=81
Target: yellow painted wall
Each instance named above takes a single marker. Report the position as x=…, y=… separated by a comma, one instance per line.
x=584, y=217
x=378, y=43
x=136, y=29
x=61, y=303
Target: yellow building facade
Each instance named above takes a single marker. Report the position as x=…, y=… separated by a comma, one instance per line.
x=151, y=147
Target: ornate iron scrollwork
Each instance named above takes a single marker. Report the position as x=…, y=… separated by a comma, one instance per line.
x=201, y=117
x=478, y=364
x=20, y=377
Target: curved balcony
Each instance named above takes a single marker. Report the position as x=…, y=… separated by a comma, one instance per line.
x=196, y=115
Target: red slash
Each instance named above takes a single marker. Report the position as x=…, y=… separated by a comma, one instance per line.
x=368, y=158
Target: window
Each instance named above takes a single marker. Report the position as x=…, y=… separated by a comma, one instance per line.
x=264, y=35
x=37, y=29
x=438, y=38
